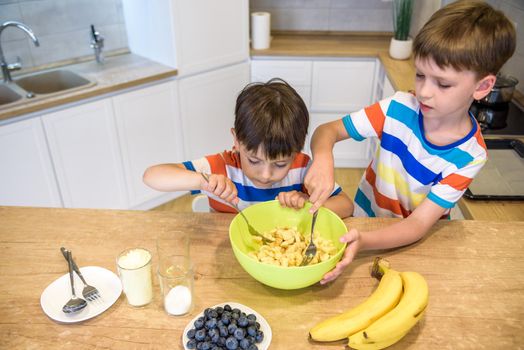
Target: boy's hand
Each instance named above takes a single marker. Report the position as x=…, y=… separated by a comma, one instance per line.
x=319, y=182
x=292, y=199
x=221, y=186
x=352, y=238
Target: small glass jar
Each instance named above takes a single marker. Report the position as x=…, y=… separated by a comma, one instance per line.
x=176, y=277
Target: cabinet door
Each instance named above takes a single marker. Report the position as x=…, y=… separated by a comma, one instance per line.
x=84, y=149
x=149, y=133
x=26, y=176
x=389, y=90
x=207, y=109
x=347, y=153
x=296, y=73
x=210, y=33
x=342, y=86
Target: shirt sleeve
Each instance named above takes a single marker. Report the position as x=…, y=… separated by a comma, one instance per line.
x=369, y=121
x=200, y=165
x=452, y=186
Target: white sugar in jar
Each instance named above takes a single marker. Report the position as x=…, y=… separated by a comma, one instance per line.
x=176, y=284
x=134, y=268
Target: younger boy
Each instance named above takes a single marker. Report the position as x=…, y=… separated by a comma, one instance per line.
x=271, y=122
x=430, y=147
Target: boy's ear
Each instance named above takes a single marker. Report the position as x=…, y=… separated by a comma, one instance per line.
x=236, y=145
x=484, y=86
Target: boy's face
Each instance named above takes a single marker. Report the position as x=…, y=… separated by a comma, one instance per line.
x=446, y=92
x=261, y=171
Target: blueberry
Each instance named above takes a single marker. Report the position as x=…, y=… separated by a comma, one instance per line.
x=242, y=321
x=206, y=345
x=223, y=331
x=207, y=311
x=235, y=310
x=257, y=325
x=213, y=314
x=219, y=310
x=199, y=323
x=227, y=307
x=251, y=317
x=235, y=315
x=191, y=333
x=240, y=333
x=216, y=347
x=231, y=343
x=211, y=323
x=214, y=335
x=244, y=344
x=252, y=331
x=251, y=339
x=191, y=344
x=231, y=328
x=225, y=319
x=222, y=341
x=200, y=335
x=259, y=337
x=252, y=347
x=199, y=345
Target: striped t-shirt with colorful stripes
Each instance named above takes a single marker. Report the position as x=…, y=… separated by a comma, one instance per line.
x=407, y=168
x=227, y=163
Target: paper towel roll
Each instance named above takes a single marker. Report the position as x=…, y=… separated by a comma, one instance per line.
x=260, y=29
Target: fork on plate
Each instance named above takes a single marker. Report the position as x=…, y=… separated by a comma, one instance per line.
x=311, y=249
x=89, y=292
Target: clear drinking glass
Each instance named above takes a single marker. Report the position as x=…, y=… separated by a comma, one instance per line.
x=175, y=272
x=134, y=269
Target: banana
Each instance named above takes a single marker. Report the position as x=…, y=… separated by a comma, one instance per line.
x=357, y=340
x=383, y=300
x=395, y=324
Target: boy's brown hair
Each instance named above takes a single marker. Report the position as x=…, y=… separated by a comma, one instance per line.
x=271, y=115
x=467, y=35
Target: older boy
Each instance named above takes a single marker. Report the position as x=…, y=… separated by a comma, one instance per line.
x=271, y=122
x=431, y=147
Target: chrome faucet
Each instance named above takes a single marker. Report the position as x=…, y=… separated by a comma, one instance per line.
x=97, y=44
x=6, y=67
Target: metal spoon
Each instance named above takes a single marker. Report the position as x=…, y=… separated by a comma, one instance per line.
x=74, y=304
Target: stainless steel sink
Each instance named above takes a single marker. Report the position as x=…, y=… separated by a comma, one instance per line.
x=52, y=81
x=8, y=95
x=43, y=85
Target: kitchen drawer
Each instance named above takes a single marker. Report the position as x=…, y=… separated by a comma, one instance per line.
x=296, y=72
x=342, y=86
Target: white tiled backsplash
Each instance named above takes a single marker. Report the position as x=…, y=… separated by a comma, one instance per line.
x=62, y=27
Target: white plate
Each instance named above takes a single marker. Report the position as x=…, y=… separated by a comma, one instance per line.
x=264, y=326
x=59, y=292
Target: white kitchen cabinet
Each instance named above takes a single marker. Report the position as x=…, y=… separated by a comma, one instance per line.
x=86, y=156
x=296, y=73
x=388, y=90
x=347, y=153
x=342, y=86
x=149, y=132
x=26, y=176
x=207, y=109
x=192, y=36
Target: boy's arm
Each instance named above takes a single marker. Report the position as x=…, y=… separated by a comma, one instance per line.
x=341, y=204
x=401, y=233
x=320, y=177
x=172, y=177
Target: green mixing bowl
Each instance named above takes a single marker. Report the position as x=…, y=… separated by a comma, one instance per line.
x=269, y=215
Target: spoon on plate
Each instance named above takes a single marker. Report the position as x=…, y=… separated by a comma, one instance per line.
x=74, y=304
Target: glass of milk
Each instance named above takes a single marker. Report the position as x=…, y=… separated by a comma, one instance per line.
x=134, y=269
x=175, y=272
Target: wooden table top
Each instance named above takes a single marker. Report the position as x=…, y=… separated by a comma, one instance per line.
x=474, y=271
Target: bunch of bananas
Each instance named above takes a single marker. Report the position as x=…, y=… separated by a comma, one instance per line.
x=397, y=304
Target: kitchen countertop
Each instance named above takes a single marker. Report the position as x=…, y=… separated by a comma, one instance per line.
x=474, y=270
x=117, y=73
x=401, y=73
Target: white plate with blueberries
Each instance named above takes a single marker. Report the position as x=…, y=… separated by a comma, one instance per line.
x=229, y=326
